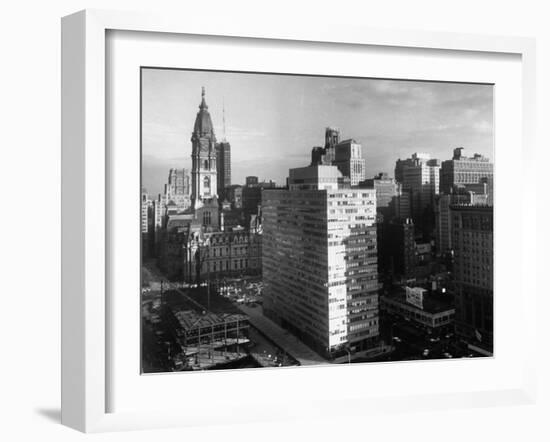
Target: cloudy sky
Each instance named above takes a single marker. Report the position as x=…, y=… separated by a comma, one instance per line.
x=273, y=121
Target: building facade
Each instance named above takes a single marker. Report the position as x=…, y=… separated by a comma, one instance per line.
x=193, y=255
x=347, y=155
x=397, y=256
x=472, y=242
x=420, y=178
x=431, y=310
x=319, y=261
x=251, y=196
x=251, y=180
x=177, y=189
x=146, y=203
x=327, y=154
x=461, y=170
x=349, y=160
x=178, y=183
x=234, y=194
x=404, y=208
x=466, y=194
x=147, y=234
x=235, y=252
x=387, y=194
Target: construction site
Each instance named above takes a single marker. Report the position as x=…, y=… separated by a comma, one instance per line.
x=195, y=328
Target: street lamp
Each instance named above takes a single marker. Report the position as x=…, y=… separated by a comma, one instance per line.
x=348, y=352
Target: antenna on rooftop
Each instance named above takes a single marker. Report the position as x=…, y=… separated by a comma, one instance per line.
x=223, y=118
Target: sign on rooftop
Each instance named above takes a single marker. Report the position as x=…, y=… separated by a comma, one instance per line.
x=415, y=296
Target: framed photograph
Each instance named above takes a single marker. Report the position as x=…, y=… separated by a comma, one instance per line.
x=292, y=222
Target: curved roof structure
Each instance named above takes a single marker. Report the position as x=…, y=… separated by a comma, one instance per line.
x=203, y=123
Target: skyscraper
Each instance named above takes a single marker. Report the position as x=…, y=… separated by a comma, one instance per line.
x=178, y=182
x=145, y=205
x=419, y=176
x=158, y=217
x=472, y=242
x=467, y=194
x=332, y=138
x=146, y=222
x=326, y=155
x=319, y=260
x=349, y=160
x=204, y=158
x=252, y=195
x=223, y=152
x=397, y=253
x=347, y=155
x=177, y=189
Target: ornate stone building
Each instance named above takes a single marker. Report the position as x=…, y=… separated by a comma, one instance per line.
x=210, y=239
x=193, y=254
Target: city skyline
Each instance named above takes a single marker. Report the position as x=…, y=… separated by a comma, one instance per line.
x=332, y=267
x=273, y=121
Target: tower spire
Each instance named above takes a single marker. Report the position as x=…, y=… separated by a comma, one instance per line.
x=203, y=100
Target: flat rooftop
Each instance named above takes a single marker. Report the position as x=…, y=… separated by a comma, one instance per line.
x=432, y=302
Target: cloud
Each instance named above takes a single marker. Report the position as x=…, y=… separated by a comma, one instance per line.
x=273, y=121
x=240, y=133
x=483, y=127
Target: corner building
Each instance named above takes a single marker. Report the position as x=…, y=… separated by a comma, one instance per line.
x=319, y=261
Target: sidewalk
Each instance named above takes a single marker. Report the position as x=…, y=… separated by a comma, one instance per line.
x=289, y=343
x=365, y=354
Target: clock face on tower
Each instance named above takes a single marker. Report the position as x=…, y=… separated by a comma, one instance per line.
x=204, y=145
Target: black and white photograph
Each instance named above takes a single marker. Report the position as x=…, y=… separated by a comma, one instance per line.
x=241, y=220
x=296, y=220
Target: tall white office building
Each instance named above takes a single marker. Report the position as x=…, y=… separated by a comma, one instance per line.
x=319, y=260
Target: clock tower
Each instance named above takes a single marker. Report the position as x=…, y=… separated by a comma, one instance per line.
x=204, y=182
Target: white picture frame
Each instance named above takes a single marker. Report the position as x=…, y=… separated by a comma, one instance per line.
x=85, y=312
